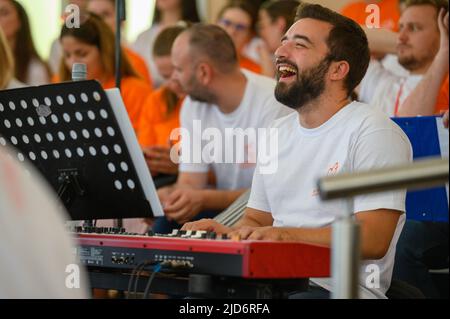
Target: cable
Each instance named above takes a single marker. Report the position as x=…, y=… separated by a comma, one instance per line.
x=137, y=272
x=152, y=277
x=130, y=282
x=147, y=263
x=136, y=281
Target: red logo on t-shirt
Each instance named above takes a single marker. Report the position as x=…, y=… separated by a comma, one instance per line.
x=332, y=170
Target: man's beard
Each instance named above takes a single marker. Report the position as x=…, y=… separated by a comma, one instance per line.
x=410, y=63
x=199, y=93
x=310, y=84
x=415, y=61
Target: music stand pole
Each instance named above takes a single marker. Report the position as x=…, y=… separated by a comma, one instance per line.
x=120, y=16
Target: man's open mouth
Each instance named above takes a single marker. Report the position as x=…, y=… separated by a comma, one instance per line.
x=286, y=71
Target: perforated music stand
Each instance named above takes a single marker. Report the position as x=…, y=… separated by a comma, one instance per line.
x=81, y=139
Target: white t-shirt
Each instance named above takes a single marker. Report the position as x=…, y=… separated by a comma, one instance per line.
x=358, y=138
x=37, y=73
x=54, y=59
x=390, y=62
x=257, y=110
x=383, y=89
x=35, y=249
x=144, y=47
x=251, y=50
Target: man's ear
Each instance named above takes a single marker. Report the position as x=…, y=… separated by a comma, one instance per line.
x=204, y=73
x=339, y=70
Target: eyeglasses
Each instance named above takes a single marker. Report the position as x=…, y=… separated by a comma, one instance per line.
x=237, y=26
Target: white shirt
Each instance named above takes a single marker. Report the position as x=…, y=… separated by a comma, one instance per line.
x=358, y=138
x=251, y=50
x=37, y=73
x=258, y=109
x=385, y=90
x=390, y=62
x=34, y=246
x=144, y=47
x=55, y=56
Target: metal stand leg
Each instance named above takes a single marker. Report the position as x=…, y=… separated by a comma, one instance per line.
x=346, y=258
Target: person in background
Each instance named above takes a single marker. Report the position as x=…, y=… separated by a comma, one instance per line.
x=417, y=45
x=424, y=245
x=422, y=47
x=238, y=18
x=385, y=33
x=29, y=67
x=251, y=50
x=275, y=18
x=35, y=249
x=93, y=45
x=161, y=114
x=7, y=80
x=106, y=9
x=167, y=13
x=431, y=94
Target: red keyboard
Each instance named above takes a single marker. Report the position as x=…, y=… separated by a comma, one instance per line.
x=211, y=256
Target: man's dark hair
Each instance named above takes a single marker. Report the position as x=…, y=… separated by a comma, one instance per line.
x=214, y=43
x=347, y=41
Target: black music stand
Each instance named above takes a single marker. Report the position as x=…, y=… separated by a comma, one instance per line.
x=81, y=139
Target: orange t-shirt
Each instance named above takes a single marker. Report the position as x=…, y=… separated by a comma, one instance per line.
x=155, y=125
x=134, y=93
x=250, y=65
x=389, y=13
x=139, y=65
x=442, y=102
